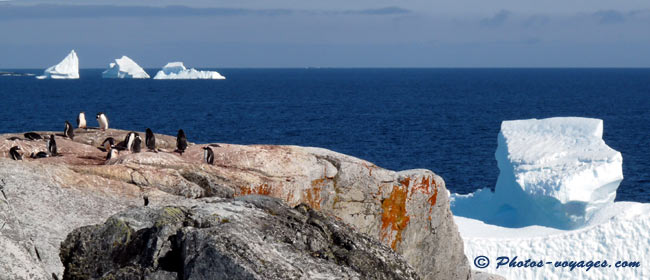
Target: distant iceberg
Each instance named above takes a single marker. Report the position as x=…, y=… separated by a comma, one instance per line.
x=176, y=70
x=68, y=68
x=124, y=67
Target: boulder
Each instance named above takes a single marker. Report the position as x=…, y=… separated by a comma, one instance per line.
x=252, y=237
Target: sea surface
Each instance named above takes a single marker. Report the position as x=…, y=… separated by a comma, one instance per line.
x=445, y=120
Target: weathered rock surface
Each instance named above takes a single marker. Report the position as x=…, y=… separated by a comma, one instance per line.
x=252, y=237
x=408, y=211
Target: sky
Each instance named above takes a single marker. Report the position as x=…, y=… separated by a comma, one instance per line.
x=333, y=33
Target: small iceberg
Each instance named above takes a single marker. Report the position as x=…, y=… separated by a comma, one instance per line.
x=68, y=68
x=176, y=70
x=124, y=68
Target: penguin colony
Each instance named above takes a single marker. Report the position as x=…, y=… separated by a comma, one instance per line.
x=132, y=141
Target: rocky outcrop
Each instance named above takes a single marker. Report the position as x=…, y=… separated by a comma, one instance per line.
x=252, y=237
x=407, y=211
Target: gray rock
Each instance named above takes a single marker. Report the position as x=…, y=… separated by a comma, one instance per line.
x=252, y=237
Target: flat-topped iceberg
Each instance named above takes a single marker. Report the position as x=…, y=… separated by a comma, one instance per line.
x=124, y=67
x=553, y=172
x=176, y=70
x=554, y=202
x=68, y=68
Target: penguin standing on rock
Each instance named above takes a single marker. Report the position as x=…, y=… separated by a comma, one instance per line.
x=150, y=140
x=102, y=120
x=137, y=143
x=128, y=141
x=14, y=153
x=181, y=142
x=208, y=155
x=81, y=120
x=68, y=131
x=51, y=146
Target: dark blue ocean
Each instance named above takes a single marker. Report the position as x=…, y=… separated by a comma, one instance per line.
x=446, y=120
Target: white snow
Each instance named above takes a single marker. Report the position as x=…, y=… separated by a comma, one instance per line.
x=553, y=201
x=176, y=70
x=125, y=67
x=621, y=234
x=68, y=68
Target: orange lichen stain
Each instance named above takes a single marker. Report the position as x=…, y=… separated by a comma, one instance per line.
x=262, y=189
x=312, y=197
x=429, y=188
x=394, y=217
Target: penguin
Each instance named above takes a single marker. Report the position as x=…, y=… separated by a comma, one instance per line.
x=208, y=155
x=14, y=138
x=181, y=142
x=39, y=155
x=137, y=143
x=146, y=200
x=81, y=120
x=68, y=131
x=108, y=144
x=51, y=146
x=128, y=140
x=150, y=140
x=102, y=120
x=33, y=136
x=113, y=153
x=14, y=153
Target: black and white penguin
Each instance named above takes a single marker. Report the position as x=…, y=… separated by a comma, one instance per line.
x=81, y=120
x=102, y=120
x=137, y=144
x=146, y=200
x=68, y=131
x=150, y=140
x=113, y=153
x=51, y=146
x=39, y=155
x=108, y=143
x=14, y=153
x=181, y=142
x=208, y=155
x=128, y=140
x=33, y=136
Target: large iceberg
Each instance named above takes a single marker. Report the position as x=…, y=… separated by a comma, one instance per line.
x=176, y=70
x=68, y=68
x=125, y=67
x=554, y=202
x=554, y=172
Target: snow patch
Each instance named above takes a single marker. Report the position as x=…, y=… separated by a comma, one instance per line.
x=125, y=67
x=176, y=70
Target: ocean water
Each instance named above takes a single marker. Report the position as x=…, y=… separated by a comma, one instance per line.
x=445, y=120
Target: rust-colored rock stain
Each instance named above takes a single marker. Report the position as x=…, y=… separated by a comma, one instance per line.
x=394, y=217
x=262, y=189
x=313, y=195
